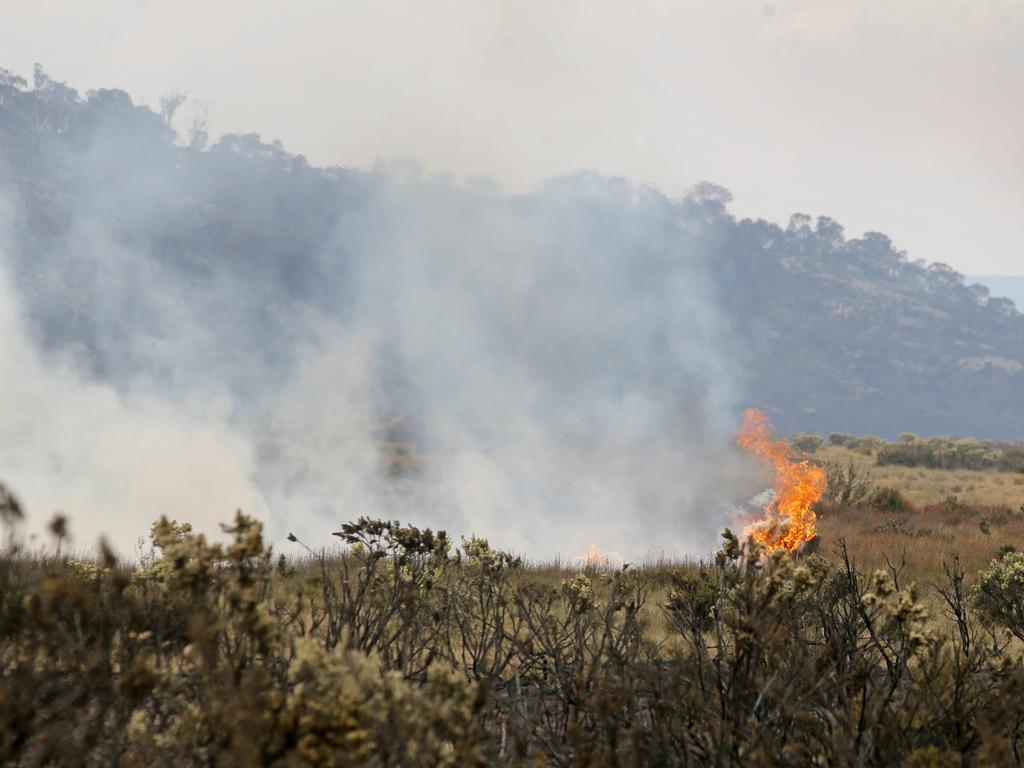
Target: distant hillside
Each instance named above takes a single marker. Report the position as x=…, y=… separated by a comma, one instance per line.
x=854, y=334
x=826, y=333
x=1010, y=286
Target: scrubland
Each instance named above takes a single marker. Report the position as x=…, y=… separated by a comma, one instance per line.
x=895, y=640
x=932, y=514
x=402, y=647
x=926, y=485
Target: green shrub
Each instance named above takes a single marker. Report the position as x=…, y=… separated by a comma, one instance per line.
x=950, y=453
x=807, y=443
x=999, y=592
x=847, y=485
x=867, y=445
x=889, y=499
x=403, y=650
x=692, y=599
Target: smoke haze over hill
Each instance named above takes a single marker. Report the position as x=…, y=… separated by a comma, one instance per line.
x=554, y=366
x=203, y=327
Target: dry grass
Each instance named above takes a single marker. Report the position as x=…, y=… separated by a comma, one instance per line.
x=986, y=515
x=925, y=538
x=921, y=485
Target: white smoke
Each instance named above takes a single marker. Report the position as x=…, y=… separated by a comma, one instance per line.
x=559, y=364
x=113, y=462
x=550, y=369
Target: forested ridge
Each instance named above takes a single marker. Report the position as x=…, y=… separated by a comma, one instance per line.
x=241, y=236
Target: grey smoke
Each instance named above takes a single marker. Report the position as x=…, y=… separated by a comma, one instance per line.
x=554, y=363
x=561, y=358
x=115, y=462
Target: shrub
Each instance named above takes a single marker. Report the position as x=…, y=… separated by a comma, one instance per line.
x=345, y=710
x=889, y=499
x=806, y=443
x=949, y=453
x=404, y=650
x=847, y=485
x=999, y=592
x=867, y=445
x=692, y=599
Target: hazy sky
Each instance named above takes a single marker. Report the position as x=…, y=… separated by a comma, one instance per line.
x=905, y=116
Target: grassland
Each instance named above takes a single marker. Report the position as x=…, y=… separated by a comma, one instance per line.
x=923, y=485
x=970, y=514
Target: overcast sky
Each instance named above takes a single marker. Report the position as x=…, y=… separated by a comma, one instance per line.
x=904, y=116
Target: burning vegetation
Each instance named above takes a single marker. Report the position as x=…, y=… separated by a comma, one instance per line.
x=789, y=519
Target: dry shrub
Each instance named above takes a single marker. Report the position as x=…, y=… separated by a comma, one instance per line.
x=404, y=650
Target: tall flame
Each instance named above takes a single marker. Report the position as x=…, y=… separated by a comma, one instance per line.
x=789, y=519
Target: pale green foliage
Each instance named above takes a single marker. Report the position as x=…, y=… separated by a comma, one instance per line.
x=579, y=591
x=999, y=592
x=806, y=442
x=847, y=485
x=404, y=652
x=348, y=711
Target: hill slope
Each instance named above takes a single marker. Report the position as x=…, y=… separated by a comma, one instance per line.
x=242, y=238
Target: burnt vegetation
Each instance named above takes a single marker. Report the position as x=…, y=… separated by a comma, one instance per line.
x=403, y=647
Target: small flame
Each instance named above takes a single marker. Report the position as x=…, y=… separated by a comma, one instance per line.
x=789, y=518
x=595, y=559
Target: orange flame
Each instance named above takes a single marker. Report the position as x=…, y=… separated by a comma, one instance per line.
x=595, y=559
x=789, y=519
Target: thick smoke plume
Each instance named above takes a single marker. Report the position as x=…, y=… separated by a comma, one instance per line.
x=115, y=462
x=187, y=331
x=555, y=364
